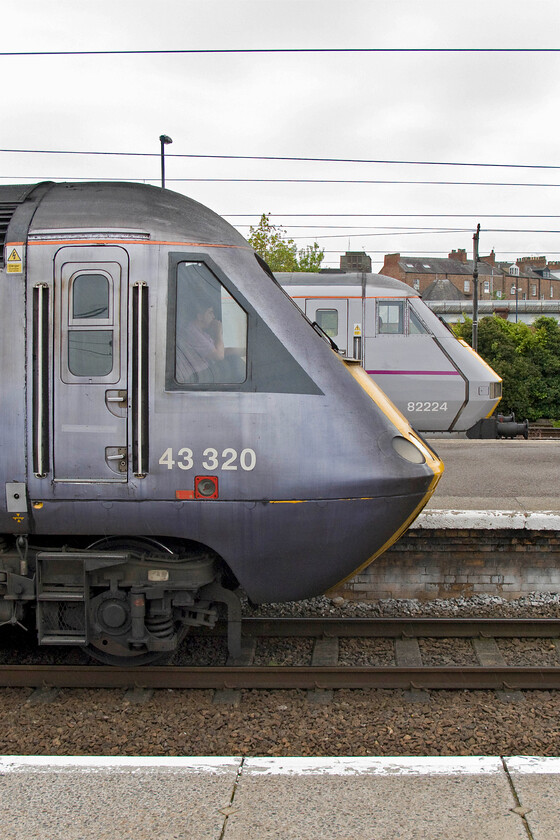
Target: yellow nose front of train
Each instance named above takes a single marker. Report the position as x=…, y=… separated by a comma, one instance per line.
x=407, y=444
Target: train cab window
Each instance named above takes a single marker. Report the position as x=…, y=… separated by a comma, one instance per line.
x=210, y=330
x=328, y=321
x=415, y=325
x=90, y=326
x=390, y=317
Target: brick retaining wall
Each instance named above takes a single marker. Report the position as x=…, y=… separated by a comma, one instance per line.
x=447, y=563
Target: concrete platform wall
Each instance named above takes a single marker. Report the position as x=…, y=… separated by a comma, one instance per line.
x=461, y=562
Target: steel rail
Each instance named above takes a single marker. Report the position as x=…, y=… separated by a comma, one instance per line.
x=544, y=433
x=482, y=677
x=401, y=627
x=274, y=677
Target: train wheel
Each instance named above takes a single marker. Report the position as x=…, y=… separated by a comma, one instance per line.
x=107, y=649
x=129, y=659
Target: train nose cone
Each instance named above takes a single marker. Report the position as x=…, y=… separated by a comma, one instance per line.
x=404, y=476
x=410, y=473
x=411, y=467
x=408, y=450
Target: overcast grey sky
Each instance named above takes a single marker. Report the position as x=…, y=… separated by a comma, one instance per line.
x=497, y=108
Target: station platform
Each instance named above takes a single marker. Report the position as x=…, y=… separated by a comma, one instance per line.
x=491, y=528
x=495, y=484
x=230, y=798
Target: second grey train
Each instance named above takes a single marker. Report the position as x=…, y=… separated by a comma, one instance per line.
x=436, y=380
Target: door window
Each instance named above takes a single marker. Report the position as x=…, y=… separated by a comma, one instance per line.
x=90, y=352
x=89, y=344
x=90, y=297
x=328, y=321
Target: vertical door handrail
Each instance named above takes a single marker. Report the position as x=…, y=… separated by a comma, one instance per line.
x=140, y=379
x=40, y=385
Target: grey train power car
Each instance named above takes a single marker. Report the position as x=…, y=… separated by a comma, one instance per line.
x=436, y=380
x=173, y=429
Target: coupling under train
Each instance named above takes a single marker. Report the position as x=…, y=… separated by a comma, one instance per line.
x=173, y=429
x=436, y=380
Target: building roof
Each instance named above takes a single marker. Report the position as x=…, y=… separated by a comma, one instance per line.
x=442, y=290
x=447, y=266
x=444, y=265
x=524, y=270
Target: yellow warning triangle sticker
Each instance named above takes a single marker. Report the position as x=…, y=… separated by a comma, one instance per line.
x=14, y=256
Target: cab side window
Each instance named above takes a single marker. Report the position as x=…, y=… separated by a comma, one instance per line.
x=415, y=325
x=210, y=330
x=390, y=317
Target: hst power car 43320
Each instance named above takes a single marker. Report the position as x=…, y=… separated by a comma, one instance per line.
x=173, y=429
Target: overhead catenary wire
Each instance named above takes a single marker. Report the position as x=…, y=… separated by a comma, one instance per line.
x=360, y=231
x=391, y=182
x=279, y=51
x=404, y=229
x=363, y=181
x=396, y=215
x=422, y=231
x=440, y=253
x=285, y=158
x=400, y=232
x=383, y=227
x=282, y=215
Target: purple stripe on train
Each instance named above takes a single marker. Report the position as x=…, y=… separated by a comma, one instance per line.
x=416, y=372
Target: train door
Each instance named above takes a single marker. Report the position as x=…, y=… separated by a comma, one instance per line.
x=90, y=388
x=332, y=316
x=409, y=364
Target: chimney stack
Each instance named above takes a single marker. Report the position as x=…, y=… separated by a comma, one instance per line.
x=490, y=259
x=460, y=255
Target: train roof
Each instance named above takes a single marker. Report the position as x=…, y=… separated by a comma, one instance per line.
x=15, y=193
x=373, y=282
x=97, y=206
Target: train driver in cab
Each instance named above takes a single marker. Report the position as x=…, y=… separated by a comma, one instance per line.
x=200, y=344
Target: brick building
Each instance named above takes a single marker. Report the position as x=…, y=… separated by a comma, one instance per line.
x=530, y=278
x=355, y=261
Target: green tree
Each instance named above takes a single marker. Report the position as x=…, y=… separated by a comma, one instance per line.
x=527, y=357
x=310, y=258
x=544, y=350
x=280, y=253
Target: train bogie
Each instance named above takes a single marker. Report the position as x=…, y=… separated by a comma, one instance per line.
x=173, y=428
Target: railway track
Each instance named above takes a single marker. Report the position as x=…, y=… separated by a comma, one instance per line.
x=544, y=433
x=325, y=672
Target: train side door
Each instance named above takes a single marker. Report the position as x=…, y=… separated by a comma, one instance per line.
x=332, y=316
x=90, y=389
x=408, y=363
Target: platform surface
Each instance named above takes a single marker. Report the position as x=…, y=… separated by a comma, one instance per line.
x=484, y=478
x=463, y=798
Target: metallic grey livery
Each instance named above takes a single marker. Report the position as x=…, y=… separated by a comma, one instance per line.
x=144, y=483
x=435, y=380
